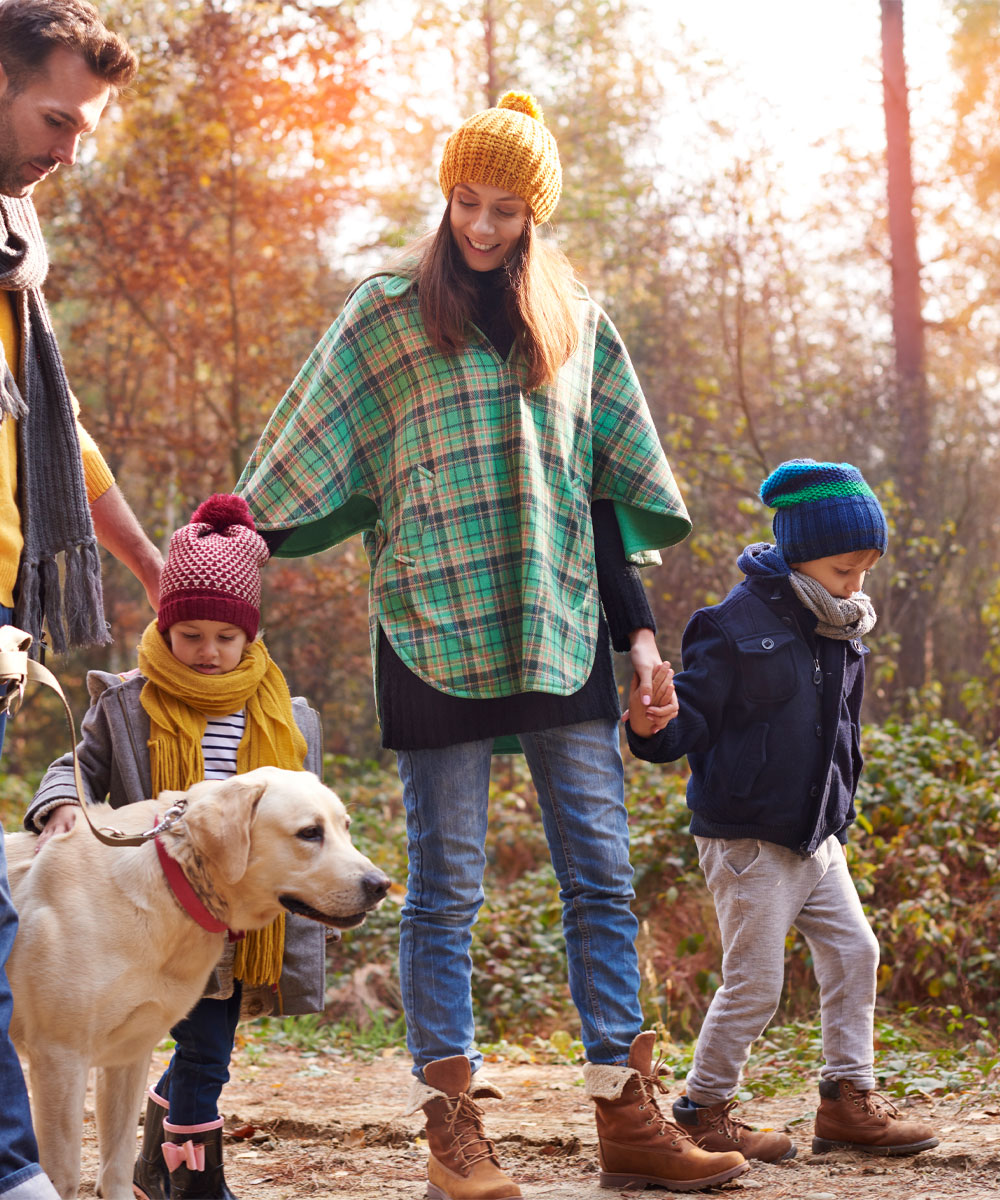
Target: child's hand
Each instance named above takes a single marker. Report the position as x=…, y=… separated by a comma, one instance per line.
x=60, y=820
x=663, y=707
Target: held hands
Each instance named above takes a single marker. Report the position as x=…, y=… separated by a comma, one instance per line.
x=650, y=710
x=60, y=820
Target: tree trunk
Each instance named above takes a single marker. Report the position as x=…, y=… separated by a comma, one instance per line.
x=912, y=402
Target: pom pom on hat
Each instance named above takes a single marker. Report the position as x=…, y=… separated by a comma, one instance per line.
x=507, y=147
x=212, y=572
x=823, y=509
x=222, y=510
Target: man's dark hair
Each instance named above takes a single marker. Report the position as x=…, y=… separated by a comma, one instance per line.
x=31, y=29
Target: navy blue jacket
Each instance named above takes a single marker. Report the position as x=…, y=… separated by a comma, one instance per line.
x=769, y=716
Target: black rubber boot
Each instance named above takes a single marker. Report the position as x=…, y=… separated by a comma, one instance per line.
x=196, y=1163
x=150, y=1177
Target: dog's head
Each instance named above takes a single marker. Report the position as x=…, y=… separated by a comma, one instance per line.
x=270, y=840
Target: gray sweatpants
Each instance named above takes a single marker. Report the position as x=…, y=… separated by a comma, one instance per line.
x=760, y=891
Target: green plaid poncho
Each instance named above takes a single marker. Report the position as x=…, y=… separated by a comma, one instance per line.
x=473, y=496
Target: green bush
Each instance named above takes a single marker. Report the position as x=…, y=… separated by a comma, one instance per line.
x=924, y=855
x=929, y=868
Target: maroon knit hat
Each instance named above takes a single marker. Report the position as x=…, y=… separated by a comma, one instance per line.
x=212, y=572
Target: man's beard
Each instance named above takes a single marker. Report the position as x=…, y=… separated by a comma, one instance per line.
x=12, y=182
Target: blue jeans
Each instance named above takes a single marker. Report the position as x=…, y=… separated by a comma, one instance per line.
x=18, y=1149
x=577, y=772
x=199, y=1068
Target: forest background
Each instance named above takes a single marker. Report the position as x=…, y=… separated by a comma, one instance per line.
x=272, y=152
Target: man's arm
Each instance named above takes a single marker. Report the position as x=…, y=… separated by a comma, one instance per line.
x=120, y=533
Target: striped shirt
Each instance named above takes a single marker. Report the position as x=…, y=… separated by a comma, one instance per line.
x=220, y=742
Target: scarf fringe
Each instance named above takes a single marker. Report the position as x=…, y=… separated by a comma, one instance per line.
x=258, y=958
x=71, y=607
x=83, y=597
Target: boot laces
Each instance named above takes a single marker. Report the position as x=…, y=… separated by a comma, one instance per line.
x=648, y=1086
x=464, y=1119
x=725, y=1123
x=876, y=1104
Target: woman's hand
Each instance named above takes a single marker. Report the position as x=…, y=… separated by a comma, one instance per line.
x=647, y=719
x=645, y=659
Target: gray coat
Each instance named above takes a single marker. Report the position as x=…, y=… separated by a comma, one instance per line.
x=114, y=762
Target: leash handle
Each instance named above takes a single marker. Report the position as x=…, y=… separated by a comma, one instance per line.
x=16, y=668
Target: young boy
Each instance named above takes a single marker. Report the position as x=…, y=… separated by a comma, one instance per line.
x=206, y=702
x=768, y=713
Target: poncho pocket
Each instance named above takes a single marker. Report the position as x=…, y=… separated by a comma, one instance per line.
x=415, y=508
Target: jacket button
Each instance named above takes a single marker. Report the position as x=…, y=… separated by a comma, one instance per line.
x=814, y=790
x=819, y=731
x=767, y=643
x=786, y=620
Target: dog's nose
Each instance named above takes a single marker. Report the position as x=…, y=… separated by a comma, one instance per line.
x=375, y=887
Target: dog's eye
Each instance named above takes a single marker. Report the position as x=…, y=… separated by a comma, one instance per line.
x=311, y=833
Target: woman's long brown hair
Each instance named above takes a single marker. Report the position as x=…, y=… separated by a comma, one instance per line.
x=541, y=299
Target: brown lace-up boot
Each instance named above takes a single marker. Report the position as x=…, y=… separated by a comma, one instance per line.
x=638, y=1145
x=849, y=1119
x=713, y=1127
x=463, y=1164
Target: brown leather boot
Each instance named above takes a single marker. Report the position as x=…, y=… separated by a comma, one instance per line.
x=849, y=1119
x=463, y=1164
x=638, y=1145
x=713, y=1127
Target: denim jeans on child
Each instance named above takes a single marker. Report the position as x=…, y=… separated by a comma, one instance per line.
x=577, y=772
x=21, y=1177
x=199, y=1068
x=760, y=891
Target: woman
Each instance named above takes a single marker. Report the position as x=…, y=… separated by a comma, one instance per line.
x=476, y=416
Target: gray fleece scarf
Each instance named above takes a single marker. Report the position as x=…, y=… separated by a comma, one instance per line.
x=55, y=514
x=842, y=620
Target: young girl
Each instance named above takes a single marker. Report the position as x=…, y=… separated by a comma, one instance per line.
x=476, y=415
x=206, y=702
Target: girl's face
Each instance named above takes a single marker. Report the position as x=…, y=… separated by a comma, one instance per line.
x=486, y=223
x=208, y=647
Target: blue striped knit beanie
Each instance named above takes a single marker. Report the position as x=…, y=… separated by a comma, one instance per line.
x=823, y=509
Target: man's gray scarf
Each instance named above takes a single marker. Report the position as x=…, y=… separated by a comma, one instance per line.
x=842, y=620
x=55, y=514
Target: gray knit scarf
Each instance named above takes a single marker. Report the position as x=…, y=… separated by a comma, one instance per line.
x=55, y=514
x=842, y=620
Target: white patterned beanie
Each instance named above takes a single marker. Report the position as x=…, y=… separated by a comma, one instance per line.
x=212, y=572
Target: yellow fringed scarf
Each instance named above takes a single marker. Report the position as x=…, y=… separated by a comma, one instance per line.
x=178, y=702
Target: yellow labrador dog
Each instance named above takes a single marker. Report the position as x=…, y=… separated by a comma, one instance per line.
x=107, y=958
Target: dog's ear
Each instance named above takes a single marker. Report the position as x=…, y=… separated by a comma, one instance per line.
x=219, y=825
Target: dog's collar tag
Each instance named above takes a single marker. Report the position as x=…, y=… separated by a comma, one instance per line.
x=180, y=885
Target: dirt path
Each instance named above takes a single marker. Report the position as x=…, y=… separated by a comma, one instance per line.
x=329, y=1127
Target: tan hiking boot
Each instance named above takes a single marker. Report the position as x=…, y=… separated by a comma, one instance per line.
x=638, y=1145
x=463, y=1164
x=849, y=1119
x=713, y=1127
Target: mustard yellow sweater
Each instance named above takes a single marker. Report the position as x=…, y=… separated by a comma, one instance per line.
x=96, y=471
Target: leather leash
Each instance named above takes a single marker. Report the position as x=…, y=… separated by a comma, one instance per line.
x=16, y=668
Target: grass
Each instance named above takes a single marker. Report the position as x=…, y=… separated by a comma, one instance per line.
x=917, y=1051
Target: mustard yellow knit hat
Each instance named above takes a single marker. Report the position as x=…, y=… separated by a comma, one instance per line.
x=507, y=147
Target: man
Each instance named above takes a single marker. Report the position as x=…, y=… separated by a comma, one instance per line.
x=59, y=66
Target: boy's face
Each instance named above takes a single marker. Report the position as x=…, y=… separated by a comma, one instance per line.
x=208, y=647
x=841, y=574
